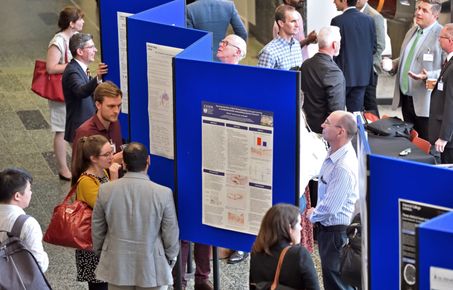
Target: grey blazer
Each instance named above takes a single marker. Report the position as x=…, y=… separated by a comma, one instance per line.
x=421, y=96
x=380, y=36
x=135, y=231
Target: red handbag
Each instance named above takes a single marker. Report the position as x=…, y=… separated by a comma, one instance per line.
x=70, y=225
x=47, y=85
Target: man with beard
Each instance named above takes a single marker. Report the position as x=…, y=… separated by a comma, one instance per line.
x=108, y=100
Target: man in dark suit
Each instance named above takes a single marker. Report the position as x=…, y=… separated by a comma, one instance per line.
x=358, y=43
x=322, y=81
x=441, y=107
x=78, y=85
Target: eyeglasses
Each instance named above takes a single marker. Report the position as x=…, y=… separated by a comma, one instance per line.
x=107, y=154
x=446, y=37
x=226, y=43
x=90, y=46
x=327, y=122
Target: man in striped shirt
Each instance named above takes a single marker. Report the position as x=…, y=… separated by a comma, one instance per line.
x=337, y=195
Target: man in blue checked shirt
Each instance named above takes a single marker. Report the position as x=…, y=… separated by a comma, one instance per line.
x=283, y=52
x=337, y=194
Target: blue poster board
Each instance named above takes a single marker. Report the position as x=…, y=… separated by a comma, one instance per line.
x=391, y=180
x=108, y=10
x=155, y=26
x=236, y=86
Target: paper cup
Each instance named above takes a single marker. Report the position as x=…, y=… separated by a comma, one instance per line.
x=387, y=64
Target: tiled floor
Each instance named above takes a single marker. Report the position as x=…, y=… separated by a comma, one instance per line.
x=25, y=138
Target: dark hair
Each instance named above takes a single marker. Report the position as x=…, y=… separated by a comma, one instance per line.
x=106, y=89
x=67, y=15
x=135, y=156
x=275, y=227
x=351, y=2
x=77, y=41
x=13, y=180
x=86, y=148
x=436, y=5
x=280, y=12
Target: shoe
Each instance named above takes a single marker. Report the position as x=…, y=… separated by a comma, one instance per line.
x=237, y=257
x=207, y=285
x=62, y=177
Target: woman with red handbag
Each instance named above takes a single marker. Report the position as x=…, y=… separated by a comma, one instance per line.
x=58, y=55
x=94, y=157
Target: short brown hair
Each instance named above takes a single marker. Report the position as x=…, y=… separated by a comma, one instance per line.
x=275, y=227
x=280, y=12
x=67, y=15
x=106, y=89
x=436, y=5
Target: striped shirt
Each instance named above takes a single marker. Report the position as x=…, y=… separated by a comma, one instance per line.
x=338, y=188
x=281, y=54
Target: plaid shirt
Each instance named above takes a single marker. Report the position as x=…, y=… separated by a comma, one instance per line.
x=281, y=54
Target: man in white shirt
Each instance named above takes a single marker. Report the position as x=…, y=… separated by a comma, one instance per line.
x=15, y=195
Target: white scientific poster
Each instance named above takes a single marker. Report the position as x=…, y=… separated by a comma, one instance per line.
x=122, y=47
x=237, y=155
x=160, y=98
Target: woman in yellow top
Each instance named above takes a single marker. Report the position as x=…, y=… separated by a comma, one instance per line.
x=94, y=157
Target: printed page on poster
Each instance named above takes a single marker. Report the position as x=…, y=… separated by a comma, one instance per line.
x=237, y=156
x=160, y=98
x=411, y=214
x=122, y=48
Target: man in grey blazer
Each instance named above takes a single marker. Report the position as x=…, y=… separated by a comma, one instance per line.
x=370, y=102
x=420, y=59
x=134, y=228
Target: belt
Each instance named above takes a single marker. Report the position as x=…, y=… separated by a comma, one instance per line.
x=336, y=228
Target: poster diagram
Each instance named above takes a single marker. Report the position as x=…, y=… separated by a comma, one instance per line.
x=237, y=155
x=160, y=98
x=411, y=214
x=122, y=47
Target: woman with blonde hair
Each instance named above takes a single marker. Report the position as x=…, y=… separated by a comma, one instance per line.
x=279, y=229
x=70, y=22
x=93, y=157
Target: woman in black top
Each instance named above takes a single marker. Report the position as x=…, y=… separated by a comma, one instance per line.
x=281, y=227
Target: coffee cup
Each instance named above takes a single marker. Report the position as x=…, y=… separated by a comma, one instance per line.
x=431, y=83
x=387, y=64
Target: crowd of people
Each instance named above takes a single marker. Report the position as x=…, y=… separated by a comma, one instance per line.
x=134, y=226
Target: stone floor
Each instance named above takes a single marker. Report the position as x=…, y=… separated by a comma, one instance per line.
x=25, y=138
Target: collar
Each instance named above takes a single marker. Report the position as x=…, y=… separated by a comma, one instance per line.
x=290, y=42
x=349, y=8
x=449, y=56
x=99, y=124
x=427, y=29
x=82, y=65
x=340, y=152
x=12, y=207
x=138, y=175
x=364, y=7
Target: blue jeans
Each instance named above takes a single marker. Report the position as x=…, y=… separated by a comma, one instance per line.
x=330, y=244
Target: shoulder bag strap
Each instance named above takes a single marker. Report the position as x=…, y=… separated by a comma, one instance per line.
x=279, y=267
x=17, y=227
x=65, y=52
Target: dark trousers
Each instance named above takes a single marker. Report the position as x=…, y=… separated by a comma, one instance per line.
x=201, y=255
x=354, y=98
x=97, y=286
x=420, y=123
x=446, y=157
x=370, y=102
x=330, y=242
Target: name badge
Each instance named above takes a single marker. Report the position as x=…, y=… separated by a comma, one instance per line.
x=440, y=86
x=113, y=147
x=428, y=57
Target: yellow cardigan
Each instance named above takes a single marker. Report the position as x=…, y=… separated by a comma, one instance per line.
x=88, y=189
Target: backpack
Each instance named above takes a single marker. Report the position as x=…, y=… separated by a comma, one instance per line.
x=18, y=267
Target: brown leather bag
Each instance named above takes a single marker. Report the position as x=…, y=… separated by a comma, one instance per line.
x=70, y=225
